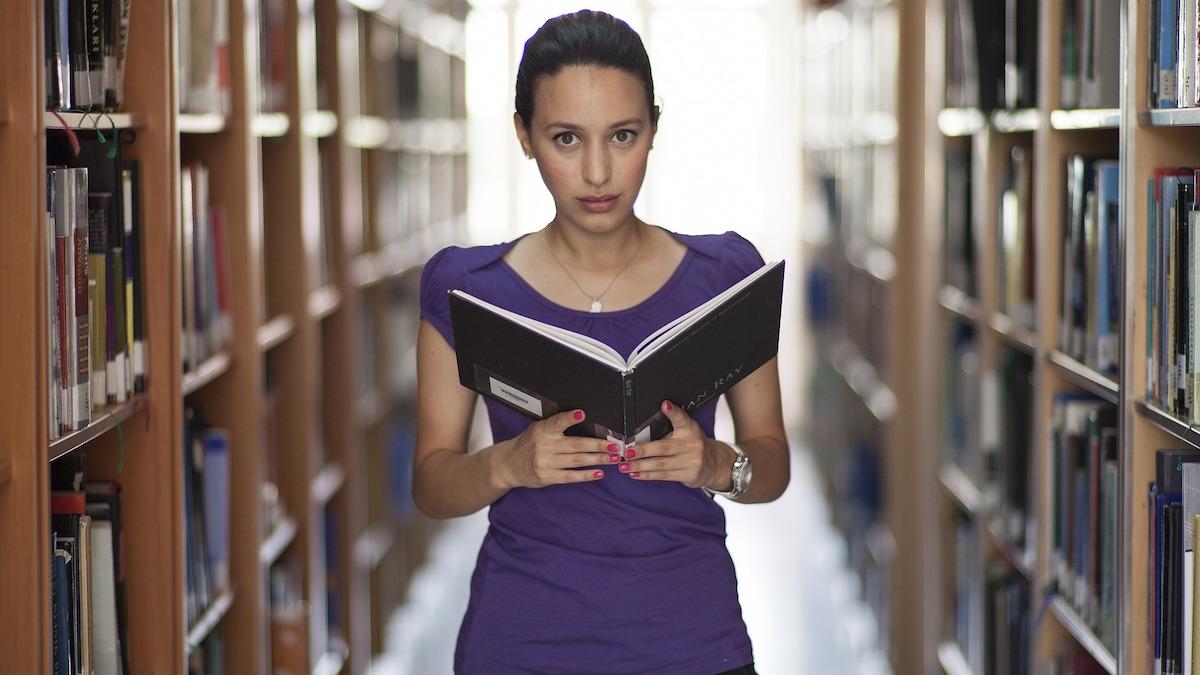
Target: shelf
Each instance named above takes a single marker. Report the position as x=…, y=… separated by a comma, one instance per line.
x=862, y=378
x=1013, y=333
x=270, y=125
x=107, y=420
x=209, y=621
x=373, y=546
x=327, y=483
x=865, y=131
x=200, y=123
x=1016, y=558
x=1016, y=121
x=433, y=136
x=323, y=302
x=1075, y=625
x=1179, y=117
x=280, y=538
x=319, y=123
x=436, y=29
x=364, y=273
x=214, y=367
x=952, y=661
x=1084, y=377
x=368, y=410
x=960, y=488
x=960, y=121
x=274, y=332
x=94, y=121
x=958, y=302
x=367, y=132
x=1084, y=119
x=1170, y=424
x=873, y=259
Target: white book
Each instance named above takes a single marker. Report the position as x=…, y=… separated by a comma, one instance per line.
x=106, y=647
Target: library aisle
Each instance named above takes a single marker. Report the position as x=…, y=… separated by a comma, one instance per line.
x=799, y=598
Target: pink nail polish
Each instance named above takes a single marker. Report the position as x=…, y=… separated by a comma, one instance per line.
x=612, y=447
x=623, y=466
x=667, y=406
x=636, y=474
x=578, y=415
x=630, y=453
x=614, y=458
x=598, y=474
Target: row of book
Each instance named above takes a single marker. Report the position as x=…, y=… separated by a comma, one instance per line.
x=1007, y=406
x=1090, y=320
x=88, y=611
x=1173, y=299
x=1174, y=42
x=94, y=295
x=206, y=513
x=991, y=54
x=1174, y=508
x=1090, y=69
x=207, y=302
x=86, y=43
x=1084, y=522
x=965, y=607
x=1017, y=252
x=1008, y=620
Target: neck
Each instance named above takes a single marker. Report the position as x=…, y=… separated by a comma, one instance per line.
x=596, y=250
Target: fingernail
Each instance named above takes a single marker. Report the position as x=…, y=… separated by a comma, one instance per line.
x=623, y=466
x=667, y=406
x=578, y=415
x=598, y=474
x=614, y=458
x=612, y=447
x=630, y=453
x=636, y=474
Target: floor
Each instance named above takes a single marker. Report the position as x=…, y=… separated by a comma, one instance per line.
x=799, y=600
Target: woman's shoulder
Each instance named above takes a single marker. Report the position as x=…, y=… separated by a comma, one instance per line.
x=448, y=270
x=729, y=251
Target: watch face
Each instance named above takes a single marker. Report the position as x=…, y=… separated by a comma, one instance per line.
x=741, y=475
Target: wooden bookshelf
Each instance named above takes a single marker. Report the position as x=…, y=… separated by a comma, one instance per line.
x=301, y=190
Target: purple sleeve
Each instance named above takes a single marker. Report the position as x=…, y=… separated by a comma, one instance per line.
x=740, y=257
x=443, y=273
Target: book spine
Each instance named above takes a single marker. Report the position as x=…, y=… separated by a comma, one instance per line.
x=94, y=46
x=1183, y=203
x=83, y=399
x=628, y=405
x=1167, y=24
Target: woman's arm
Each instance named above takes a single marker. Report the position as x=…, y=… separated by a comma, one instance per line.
x=447, y=481
x=687, y=455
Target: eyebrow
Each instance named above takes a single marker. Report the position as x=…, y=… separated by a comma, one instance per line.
x=632, y=121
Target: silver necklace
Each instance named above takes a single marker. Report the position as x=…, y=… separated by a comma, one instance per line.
x=596, y=304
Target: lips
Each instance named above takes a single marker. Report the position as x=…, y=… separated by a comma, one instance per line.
x=599, y=204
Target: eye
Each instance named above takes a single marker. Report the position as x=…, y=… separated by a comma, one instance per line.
x=566, y=139
x=625, y=136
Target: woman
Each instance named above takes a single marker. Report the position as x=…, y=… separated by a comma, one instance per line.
x=594, y=562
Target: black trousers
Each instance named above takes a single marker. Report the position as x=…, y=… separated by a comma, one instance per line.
x=744, y=670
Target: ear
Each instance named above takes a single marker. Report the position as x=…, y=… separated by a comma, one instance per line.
x=522, y=135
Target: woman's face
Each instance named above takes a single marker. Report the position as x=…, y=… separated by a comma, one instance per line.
x=591, y=135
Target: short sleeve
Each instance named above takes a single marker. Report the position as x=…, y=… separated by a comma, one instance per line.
x=739, y=257
x=444, y=272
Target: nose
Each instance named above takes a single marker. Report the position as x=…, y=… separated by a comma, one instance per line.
x=597, y=165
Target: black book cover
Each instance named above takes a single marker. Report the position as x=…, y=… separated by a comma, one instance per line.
x=523, y=367
x=1184, y=193
x=131, y=199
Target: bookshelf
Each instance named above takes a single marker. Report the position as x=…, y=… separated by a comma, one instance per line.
x=304, y=203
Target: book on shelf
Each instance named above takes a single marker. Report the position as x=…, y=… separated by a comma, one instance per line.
x=960, y=229
x=206, y=513
x=1008, y=631
x=272, y=63
x=1089, y=320
x=85, y=47
x=1084, y=503
x=1073, y=659
x=992, y=53
x=967, y=608
x=1174, y=499
x=1006, y=423
x=88, y=606
x=208, y=658
x=540, y=370
x=203, y=68
x=1090, y=66
x=67, y=280
x=207, y=314
x=1173, y=301
x=1174, y=54
x=962, y=387
x=1017, y=241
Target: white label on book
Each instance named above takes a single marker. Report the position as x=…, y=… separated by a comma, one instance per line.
x=516, y=396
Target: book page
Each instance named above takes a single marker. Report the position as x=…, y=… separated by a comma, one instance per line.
x=664, y=335
x=580, y=343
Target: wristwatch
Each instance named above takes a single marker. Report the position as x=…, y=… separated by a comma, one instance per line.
x=739, y=476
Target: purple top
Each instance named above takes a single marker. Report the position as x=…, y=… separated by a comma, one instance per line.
x=550, y=593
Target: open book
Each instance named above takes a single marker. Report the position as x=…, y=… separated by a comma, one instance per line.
x=540, y=369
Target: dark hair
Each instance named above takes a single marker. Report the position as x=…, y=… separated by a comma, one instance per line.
x=584, y=38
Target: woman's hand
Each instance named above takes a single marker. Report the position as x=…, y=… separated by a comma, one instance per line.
x=685, y=455
x=542, y=455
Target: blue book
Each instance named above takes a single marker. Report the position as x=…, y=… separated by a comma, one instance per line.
x=1168, y=53
x=60, y=614
x=216, y=504
x=1108, y=181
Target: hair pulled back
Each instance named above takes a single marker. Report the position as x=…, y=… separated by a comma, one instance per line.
x=583, y=38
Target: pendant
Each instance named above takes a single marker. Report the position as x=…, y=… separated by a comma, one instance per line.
x=595, y=305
